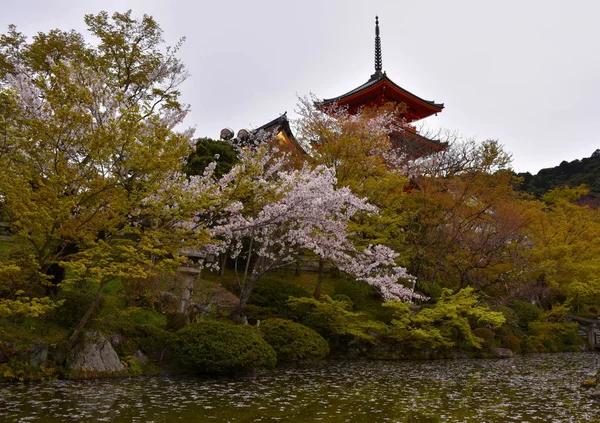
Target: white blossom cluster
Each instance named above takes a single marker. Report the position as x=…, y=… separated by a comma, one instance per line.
x=300, y=210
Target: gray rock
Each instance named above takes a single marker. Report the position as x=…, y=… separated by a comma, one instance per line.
x=94, y=353
x=38, y=354
x=501, y=353
x=457, y=355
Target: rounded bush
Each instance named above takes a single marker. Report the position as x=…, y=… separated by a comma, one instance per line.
x=526, y=312
x=217, y=347
x=293, y=341
x=176, y=321
x=512, y=343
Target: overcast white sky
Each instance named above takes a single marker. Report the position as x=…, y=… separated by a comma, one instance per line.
x=523, y=72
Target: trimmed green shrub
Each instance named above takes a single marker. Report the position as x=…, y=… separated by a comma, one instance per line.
x=176, y=321
x=512, y=343
x=526, y=312
x=217, y=347
x=293, y=341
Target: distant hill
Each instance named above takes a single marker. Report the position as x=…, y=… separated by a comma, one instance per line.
x=585, y=171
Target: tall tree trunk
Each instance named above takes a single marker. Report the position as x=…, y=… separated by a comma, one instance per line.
x=298, y=266
x=247, y=285
x=238, y=312
x=317, y=293
x=92, y=307
x=223, y=263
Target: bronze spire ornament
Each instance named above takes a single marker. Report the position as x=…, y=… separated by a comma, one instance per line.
x=378, y=60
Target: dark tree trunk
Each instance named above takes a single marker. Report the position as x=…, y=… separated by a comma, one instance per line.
x=223, y=263
x=92, y=307
x=317, y=293
x=298, y=266
x=238, y=312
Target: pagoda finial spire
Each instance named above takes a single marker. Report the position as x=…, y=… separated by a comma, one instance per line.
x=378, y=60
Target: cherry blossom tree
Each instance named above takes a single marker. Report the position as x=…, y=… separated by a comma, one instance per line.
x=273, y=213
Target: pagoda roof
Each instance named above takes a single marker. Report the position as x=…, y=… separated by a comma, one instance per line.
x=415, y=144
x=380, y=89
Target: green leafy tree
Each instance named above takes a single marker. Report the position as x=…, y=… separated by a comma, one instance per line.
x=89, y=157
x=566, y=239
x=335, y=319
x=208, y=151
x=444, y=324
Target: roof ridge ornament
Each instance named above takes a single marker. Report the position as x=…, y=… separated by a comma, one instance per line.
x=378, y=58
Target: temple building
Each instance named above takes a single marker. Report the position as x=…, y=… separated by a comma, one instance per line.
x=379, y=90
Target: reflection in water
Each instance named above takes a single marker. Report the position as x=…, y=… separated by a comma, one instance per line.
x=535, y=388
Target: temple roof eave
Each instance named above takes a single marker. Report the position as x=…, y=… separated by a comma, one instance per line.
x=437, y=143
x=373, y=84
x=282, y=124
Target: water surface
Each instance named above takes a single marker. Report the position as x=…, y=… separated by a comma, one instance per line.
x=534, y=388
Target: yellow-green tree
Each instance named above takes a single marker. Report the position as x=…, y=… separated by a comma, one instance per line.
x=89, y=157
x=566, y=239
x=468, y=226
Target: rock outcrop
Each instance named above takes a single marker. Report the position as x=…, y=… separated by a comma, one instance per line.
x=94, y=353
x=501, y=353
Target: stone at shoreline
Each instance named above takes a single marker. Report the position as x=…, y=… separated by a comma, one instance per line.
x=94, y=353
x=501, y=353
x=38, y=354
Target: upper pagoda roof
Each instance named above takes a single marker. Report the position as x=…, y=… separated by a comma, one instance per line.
x=380, y=89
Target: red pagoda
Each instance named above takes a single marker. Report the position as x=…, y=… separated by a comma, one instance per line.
x=379, y=90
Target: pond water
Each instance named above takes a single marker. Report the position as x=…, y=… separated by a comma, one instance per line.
x=533, y=388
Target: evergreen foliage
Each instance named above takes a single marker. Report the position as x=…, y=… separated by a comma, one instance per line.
x=293, y=341
x=210, y=151
x=577, y=172
x=445, y=324
x=216, y=347
x=334, y=319
x=271, y=296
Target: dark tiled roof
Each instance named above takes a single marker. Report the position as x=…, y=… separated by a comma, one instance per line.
x=376, y=78
x=280, y=123
x=422, y=138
